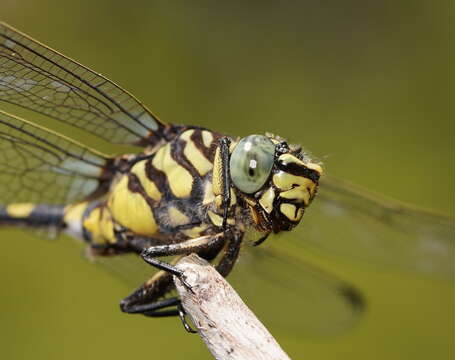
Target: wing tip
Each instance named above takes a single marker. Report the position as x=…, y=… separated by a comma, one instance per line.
x=354, y=298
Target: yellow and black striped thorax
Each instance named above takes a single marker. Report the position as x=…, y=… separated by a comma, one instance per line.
x=165, y=194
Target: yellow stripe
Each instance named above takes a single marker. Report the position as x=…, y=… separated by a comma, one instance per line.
x=74, y=212
x=194, y=155
x=180, y=179
x=20, y=210
x=207, y=138
x=266, y=200
x=131, y=210
x=176, y=217
x=217, y=220
x=149, y=186
x=99, y=224
x=195, y=231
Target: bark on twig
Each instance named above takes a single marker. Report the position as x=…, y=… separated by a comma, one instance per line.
x=227, y=326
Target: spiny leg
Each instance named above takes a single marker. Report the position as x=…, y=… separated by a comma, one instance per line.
x=144, y=299
x=186, y=247
x=161, y=283
x=230, y=256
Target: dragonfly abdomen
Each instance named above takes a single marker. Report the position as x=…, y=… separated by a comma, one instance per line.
x=32, y=215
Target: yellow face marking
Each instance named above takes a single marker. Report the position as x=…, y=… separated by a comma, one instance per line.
x=286, y=181
x=131, y=210
x=266, y=200
x=20, y=210
x=289, y=210
x=316, y=167
x=299, y=193
x=207, y=138
x=192, y=153
x=176, y=217
x=180, y=179
x=254, y=215
x=217, y=220
x=296, y=187
x=288, y=158
x=149, y=186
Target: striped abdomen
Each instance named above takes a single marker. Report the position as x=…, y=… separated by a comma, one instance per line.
x=32, y=215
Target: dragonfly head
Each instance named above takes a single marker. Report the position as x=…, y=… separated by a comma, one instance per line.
x=276, y=180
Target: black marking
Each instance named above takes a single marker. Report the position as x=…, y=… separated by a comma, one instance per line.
x=281, y=148
x=159, y=178
x=208, y=152
x=354, y=297
x=299, y=170
x=190, y=206
x=135, y=186
x=86, y=234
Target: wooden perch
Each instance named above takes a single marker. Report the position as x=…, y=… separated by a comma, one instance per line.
x=228, y=327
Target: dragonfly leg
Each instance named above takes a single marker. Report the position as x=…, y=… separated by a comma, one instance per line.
x=185, y=247
x=145, y=299
x=155, y=310
x=230, y=255
x=161, y=283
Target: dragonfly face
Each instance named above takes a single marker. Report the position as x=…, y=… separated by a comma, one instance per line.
x=277, y=181
x=192, y=190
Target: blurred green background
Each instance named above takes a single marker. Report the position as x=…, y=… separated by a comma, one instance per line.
x=367, y=86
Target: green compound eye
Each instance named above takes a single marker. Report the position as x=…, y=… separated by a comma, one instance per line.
x=251, y=163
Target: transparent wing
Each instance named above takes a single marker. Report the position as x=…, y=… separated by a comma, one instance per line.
x=348, y=221
x=38, y=78
x=290, y=295
x=43, y=167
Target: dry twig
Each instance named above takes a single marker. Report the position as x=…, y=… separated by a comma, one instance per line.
x=228, y=327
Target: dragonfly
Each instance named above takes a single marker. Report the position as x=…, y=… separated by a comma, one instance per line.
x=187, y=190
